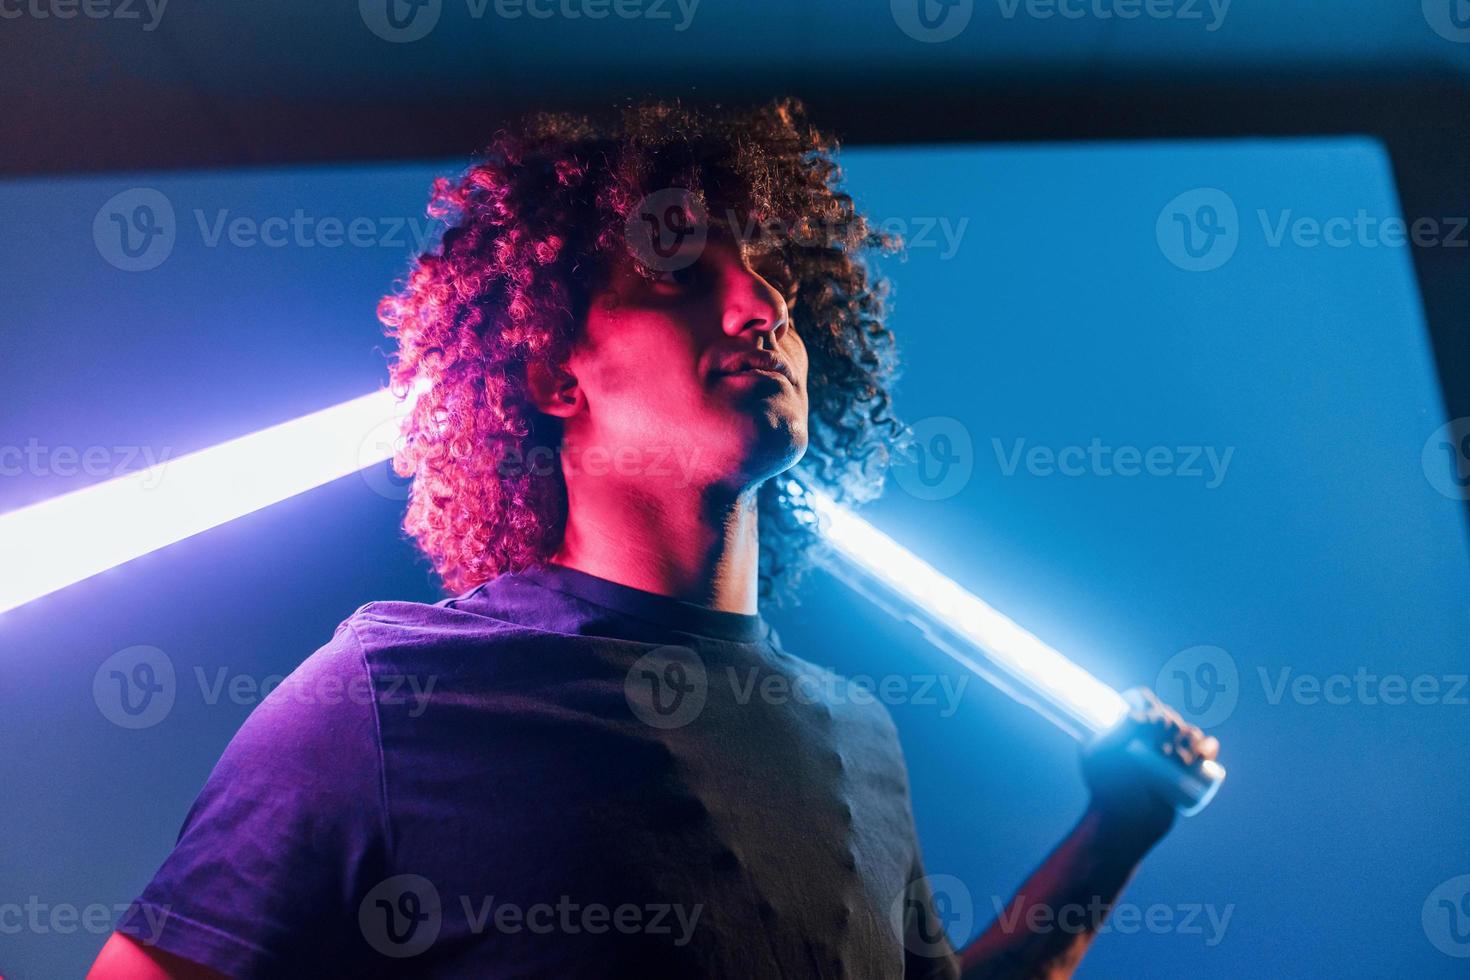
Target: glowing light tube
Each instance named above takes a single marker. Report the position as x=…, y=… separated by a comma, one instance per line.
x=988, y=643
x=132, y=515
x=51, y=544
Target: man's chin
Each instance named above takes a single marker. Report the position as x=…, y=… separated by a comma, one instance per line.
x=780, y=447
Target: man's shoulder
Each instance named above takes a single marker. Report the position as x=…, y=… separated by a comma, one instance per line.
x=857, y=698
x=395, y=624
x=383, y=651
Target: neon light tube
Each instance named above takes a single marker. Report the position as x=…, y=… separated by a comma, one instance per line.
x=141, y=512
x=53, y=543
x=988, y=643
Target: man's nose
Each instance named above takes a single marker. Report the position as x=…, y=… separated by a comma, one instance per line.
x=752, y=304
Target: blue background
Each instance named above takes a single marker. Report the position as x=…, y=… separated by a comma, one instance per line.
x=1058, y=320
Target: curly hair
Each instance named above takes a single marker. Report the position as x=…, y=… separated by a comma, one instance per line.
x=526, y=232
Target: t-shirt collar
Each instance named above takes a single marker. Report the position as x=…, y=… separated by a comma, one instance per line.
x=676, y=614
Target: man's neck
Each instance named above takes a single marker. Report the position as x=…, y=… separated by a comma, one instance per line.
x=698, y=545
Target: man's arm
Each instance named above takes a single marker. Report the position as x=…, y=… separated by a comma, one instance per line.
x=289, y=818
x=124, y=958
x=1051, y=921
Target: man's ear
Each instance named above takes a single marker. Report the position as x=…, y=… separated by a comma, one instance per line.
x=553, y=389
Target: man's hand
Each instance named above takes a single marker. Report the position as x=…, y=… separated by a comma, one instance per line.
x=1128, y=809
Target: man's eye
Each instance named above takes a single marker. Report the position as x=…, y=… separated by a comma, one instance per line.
x=779, y=275
x=677, y=277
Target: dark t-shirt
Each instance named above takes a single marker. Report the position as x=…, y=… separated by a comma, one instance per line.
x=553, y=775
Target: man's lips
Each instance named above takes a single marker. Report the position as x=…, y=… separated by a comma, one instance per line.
x=756, y=362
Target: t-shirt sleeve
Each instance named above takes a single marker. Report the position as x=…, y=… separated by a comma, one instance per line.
x=927, y=951
x=286, y=836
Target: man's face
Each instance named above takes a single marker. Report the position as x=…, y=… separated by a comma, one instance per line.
x=701, y=367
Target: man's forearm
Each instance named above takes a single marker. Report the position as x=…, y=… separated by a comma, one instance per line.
x=1048, y=925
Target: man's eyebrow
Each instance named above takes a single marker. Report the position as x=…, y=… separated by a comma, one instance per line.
x=765, y=246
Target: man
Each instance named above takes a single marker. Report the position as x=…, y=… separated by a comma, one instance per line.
x=626, y=332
